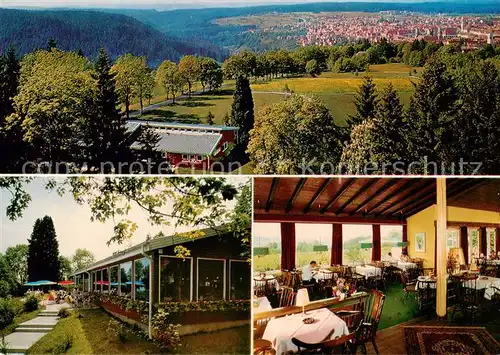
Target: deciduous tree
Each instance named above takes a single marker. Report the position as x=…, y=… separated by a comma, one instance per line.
x=190, y=70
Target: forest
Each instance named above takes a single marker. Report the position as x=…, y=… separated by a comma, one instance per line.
x=88, y=31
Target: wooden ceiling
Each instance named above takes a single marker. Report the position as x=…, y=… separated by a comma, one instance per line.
x=351, y=200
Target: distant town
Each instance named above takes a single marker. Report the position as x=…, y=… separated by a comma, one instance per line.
x=330, y=28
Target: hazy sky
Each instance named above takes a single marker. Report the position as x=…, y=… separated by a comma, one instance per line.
x=72, y=222
x=157, y=4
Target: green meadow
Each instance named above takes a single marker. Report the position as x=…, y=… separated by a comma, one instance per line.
x=337, y=90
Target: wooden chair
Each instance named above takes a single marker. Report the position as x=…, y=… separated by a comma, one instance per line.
x=259, y=288
x=286, y=297
x=346, y=344
x=372, y=310
x=469, y=299
x=263, y=347
x=409, y=278
x=352, y=277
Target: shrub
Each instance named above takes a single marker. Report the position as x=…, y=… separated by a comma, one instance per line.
x=118, y=328
x=31, y=303
x=64, y=313
x=7, y=312
x=65, y=344
x=17, y=306
x=166, y=336
x=4, y=288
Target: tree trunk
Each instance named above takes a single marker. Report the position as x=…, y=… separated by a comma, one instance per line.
x=142, y=105
x=127, y=107
x=189, y=89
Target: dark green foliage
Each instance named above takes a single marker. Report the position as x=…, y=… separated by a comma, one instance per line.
x=242, y=110
x=210, y=118
x=43, y=255
x=89, y=31
x=32, y=303
x=64, y=313
x=7, y=312
x=432, y=109
x=312, y=68
x=4, y=288
x=365, y=101
x=105, y=131
x=149, y=140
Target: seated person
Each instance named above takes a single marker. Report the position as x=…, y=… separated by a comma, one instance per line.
x=308, y=273
x=404, y=257
x=388, y=257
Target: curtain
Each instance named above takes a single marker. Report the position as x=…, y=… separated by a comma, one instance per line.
x=497, y=246
x=377, y=246
x=464, y=243
x=405, y=238
x=337, y=245
x=287, y=246
x=483, y=243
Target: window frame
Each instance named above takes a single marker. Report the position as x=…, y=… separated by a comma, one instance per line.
x=198, y=276
x=230, y=274
x=159, y=275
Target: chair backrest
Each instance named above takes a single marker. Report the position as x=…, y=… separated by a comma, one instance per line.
x=259, y=288
x=287, y=297
x=372, y=309
x=334, y=346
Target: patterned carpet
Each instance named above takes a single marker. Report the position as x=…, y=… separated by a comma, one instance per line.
x=427, y=340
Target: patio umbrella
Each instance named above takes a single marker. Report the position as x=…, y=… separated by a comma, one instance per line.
x=66, y=283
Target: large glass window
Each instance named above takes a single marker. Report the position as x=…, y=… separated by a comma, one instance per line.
x=390, y=236
x=491, y=236
x=105, y=281
x=142, y=279
x=240, y=280
x=113, y=279
x=175, y=279
x=126, y=279
x=211, y=279
x=98, y=286
x=267, y=246
x=313, y=242
x=473, y=244
x=354, y=235
x=452, y=238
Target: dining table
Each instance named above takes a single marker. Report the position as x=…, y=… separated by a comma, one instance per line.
x=488, y=283
x=270, y=281
x=368, y=271
x=326, y=326
x=404, y=265
x=261, y=304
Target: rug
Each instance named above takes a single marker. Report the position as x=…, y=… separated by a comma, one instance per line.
x=427, y=340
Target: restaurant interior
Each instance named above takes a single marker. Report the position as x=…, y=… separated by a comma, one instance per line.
x=376, y=265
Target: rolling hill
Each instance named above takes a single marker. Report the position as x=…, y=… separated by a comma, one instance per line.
x=89, y=30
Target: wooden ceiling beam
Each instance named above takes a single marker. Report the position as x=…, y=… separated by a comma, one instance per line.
x=392, y=194
x=296, y=192
x=356, y=195
x=339, y=193
x=317, y=194
x=272, y=191
x=385, y=187
x=410, y=192
x=459, y=187
x=322, y=219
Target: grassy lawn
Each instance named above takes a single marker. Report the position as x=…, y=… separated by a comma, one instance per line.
x=335, y=90
x=227, y=341
x=24, y=317
x=90, y=336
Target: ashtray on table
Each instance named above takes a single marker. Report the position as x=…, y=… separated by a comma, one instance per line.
x=308, y=320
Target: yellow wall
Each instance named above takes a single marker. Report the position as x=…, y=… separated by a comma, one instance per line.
x=423, y=222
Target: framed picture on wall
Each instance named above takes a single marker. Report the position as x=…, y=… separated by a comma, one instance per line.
x=420, y=242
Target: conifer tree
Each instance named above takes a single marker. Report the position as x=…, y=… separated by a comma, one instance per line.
x=107, y=132
x=210, y=118
x=365, y=101
x=242, y=110
x=9, y=81
x=149, y=139
x=43, y=253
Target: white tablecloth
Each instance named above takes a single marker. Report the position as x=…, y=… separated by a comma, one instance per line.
x=405, y=265
x=492, y=262
x=263, y=305
x=271, y=281
x=280, y=331
x=486, y=283
x=368, y=271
